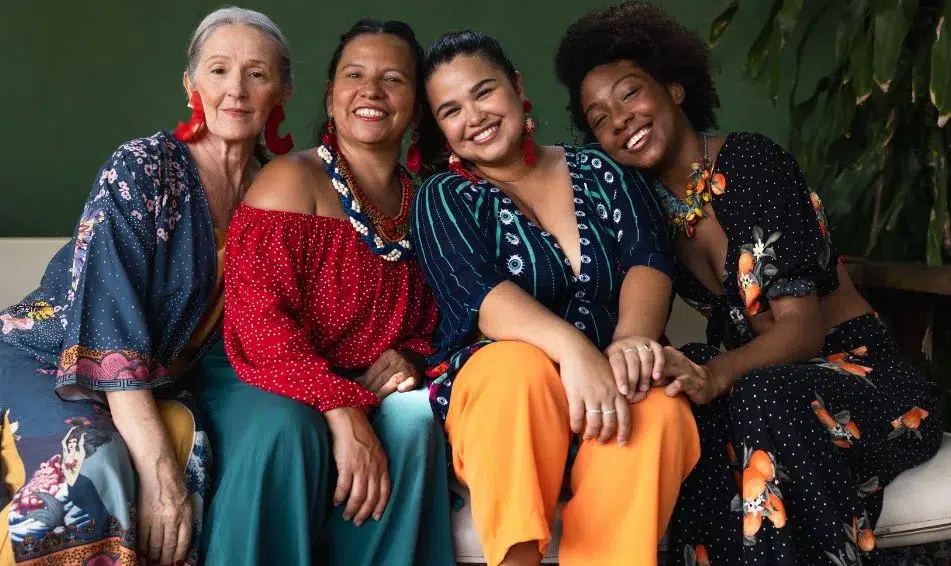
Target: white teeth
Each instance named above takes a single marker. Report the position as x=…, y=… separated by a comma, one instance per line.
x=638, y=135
x=369, y=113
x=485, y=134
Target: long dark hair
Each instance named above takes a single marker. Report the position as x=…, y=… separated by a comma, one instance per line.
x=365, y=26
x=432, y=142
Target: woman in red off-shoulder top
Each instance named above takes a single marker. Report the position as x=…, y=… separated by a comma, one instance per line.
x=325, y=313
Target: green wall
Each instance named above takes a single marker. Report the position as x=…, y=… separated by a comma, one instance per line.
x=82, y=77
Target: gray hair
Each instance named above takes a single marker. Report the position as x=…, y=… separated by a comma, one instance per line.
x=232, y=15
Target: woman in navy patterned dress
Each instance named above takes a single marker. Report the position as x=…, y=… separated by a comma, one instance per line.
x=811, y=411
x=551, y=269
x=111, y=467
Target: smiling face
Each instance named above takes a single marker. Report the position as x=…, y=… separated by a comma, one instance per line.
x=373, y=95
x=636, y=119
x=238, y=77
x=478, y=109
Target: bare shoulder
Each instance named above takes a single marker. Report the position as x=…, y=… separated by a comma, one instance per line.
x=289, y=183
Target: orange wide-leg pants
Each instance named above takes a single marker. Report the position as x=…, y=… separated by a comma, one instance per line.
x=508, y=425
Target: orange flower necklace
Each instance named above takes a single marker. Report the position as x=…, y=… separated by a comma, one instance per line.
x=701, y=182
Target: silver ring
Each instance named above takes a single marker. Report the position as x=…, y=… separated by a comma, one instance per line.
x=593, y=411
x=608, y=412
x=644, y=347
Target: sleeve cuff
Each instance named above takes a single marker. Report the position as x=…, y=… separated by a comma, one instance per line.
x=346, y=393
x=793, y=287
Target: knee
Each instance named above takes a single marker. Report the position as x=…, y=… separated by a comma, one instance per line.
x=658, y=411
x=409, y=417
x=515, y=370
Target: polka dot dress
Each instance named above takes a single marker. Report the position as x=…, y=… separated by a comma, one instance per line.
x=795, y=458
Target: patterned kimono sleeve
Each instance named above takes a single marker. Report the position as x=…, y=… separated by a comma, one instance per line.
x=455, y=256
x=786, y=247
x=266, y=262
x=108, y=340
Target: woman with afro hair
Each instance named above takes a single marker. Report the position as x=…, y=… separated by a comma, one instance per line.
x=809, y=411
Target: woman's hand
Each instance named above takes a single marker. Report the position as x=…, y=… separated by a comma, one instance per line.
x=393, y=371
x=696, y=382
x=165, y=515
x=363, y=478
x=594, y=402
x=635, y=361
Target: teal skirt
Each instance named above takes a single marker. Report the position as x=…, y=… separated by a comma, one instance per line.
x=275, y=475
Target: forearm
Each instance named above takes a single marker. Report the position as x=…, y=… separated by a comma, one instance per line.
x=509, y=313
x=793, y=338
x=137, y=418
x=643, y=304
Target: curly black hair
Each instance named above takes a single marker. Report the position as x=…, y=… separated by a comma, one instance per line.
x=646, y=35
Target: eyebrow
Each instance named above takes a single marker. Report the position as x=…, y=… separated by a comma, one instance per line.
x=387, y=70
x=252, y=61
x=475, y=88
x=613, y=86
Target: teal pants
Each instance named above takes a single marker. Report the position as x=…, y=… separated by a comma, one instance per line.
x=275, y=475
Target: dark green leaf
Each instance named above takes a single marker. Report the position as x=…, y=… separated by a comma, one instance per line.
x=921, y=72
x=941, y=67
x=760, y=49
x=890, y=26
x=786, y=19
x=722, y=22
x=939, y=210
x=860, y=69
x=850, y=29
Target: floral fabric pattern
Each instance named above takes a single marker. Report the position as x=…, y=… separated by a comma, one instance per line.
x=820, y=440
x=114, y=309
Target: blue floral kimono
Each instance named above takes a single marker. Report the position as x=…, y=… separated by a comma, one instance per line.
x=114, y=310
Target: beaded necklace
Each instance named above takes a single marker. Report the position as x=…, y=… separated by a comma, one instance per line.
x=386, y=236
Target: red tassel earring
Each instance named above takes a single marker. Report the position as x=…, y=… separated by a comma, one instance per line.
x=528, y=141
x=456, y=166
x=414, y=157
x=330, y=134
x=272, y=139
x=185, y=131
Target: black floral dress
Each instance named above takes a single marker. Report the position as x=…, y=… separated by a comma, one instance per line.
x=795, y=458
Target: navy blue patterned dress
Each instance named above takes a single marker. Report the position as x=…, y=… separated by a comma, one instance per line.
x=795, y=458
x=471, y=237
x=112, y=313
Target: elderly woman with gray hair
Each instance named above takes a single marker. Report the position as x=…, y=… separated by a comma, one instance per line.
x=113, y=467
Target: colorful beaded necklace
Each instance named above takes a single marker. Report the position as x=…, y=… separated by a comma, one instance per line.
x=685, y=214
x=386, y=236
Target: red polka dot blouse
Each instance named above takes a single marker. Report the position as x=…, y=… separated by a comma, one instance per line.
x=305, y=296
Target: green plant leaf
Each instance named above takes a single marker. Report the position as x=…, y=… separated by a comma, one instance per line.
x=786, y=19
x=722, y=22
x=890, y=26
x=939, y=210
x=860, y=69
x=850, y=29
x=941, y=67
x=761, y=47
x=921, y=73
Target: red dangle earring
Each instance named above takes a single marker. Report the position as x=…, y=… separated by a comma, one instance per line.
x=414, y=158
x=456, y=166
x=185, y=131
x=330, y=134
x=272, y=139
x=528, y=141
